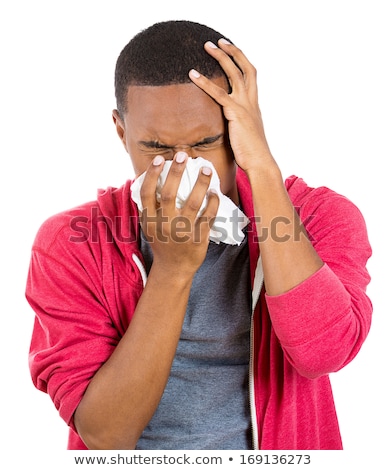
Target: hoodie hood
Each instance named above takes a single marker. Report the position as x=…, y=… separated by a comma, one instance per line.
x=120, y=214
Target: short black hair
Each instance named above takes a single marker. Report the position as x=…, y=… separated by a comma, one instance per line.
x=163, y=54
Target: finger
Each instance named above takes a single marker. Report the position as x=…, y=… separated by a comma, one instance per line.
x=207, y=219
x=212, y=206
x=216, y=92
x=195, y=200
x=168, y=192
x=148, y=187
x=241, y=74
x=247, y=68
x=232, y=71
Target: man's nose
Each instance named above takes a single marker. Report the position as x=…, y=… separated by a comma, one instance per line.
x=190, y=151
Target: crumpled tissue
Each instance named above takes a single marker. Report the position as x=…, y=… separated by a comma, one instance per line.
x=230, y=220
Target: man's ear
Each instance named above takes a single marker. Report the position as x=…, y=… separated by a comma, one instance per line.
x=120, y=127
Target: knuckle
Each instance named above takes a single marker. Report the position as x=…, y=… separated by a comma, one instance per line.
x=192, y=205
x=252, y=70
x=237, y=51
x=175, y=170
x=144, y=193
x=218, y=93
x=202, y=184
x=166, y=197
x=212, y=206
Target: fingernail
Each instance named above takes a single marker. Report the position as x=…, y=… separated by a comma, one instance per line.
x=224, y=41
x=158, y=160
x=211, y=44
x=180, y=157
x=206, y=171
x=194, y=73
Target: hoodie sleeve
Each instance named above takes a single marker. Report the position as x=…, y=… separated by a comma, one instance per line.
x=323, y=322
x=73, y=334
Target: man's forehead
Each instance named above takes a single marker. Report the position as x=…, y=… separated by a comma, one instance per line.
x=181, y=93
x=163, y=94
x=164, y=111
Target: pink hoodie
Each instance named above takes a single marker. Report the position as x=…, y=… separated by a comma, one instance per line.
x=85, y=280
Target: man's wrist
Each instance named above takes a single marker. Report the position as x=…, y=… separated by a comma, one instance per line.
x=171, y=277
x=268, y=173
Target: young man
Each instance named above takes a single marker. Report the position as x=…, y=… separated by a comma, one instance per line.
x=150, y=336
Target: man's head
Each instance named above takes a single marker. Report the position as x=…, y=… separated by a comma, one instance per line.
x=160, y=111
x=163, y=54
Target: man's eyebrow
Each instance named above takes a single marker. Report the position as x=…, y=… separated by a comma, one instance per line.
x=208, y=140
x=155, y=144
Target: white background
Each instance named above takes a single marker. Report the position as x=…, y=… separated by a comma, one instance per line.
x=322, y=79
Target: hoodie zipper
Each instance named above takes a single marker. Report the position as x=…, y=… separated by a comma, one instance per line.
x=257, y=286
x=140, y=267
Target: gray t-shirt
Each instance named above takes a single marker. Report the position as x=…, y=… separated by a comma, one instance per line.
x=205, y=403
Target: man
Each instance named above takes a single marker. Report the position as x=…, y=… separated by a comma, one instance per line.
x=148, y=335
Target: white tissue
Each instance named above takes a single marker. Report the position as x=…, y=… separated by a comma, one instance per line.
x=230, y=220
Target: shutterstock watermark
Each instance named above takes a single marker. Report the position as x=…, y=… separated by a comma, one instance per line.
x=181, y=229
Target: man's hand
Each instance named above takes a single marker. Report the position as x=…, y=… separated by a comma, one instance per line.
x=240, y=106
x=179, y=237
x=288, y=263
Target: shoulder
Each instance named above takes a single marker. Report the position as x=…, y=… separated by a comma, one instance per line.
x=60, y=224
x=321, y=200
x=78, y=224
